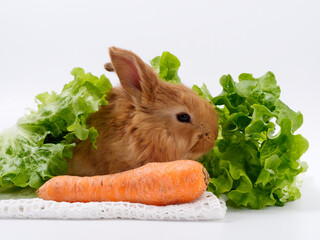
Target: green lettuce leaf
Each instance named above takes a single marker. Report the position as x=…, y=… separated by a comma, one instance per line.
x=251, y=163
x=167, y=66
x=36, y=149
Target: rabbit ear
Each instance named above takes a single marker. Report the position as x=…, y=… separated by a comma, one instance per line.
x=136, y=77
x=109, y=67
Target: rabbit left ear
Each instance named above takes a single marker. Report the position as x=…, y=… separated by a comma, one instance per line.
x=109, y=67
x=136, y=77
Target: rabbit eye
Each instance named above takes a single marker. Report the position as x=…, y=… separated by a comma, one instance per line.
x=183, y=117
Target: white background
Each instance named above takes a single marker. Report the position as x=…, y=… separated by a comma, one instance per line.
x=41, y=41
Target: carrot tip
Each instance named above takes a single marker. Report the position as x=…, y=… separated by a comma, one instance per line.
x=206, y=176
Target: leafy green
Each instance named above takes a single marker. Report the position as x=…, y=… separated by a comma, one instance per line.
x=17, y=193
x=167, y=66
x=251, y=162
x=36, y=149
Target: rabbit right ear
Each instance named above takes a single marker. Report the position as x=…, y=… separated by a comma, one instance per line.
x=136, y=77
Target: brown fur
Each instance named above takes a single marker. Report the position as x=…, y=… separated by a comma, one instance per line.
x=139, y=124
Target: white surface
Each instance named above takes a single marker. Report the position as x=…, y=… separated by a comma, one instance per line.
x=41, y=41
x=297, y=220
x=206, y=207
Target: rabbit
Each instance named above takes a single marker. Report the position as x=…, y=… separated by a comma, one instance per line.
x=146, y=120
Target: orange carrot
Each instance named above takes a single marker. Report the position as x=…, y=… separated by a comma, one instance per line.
x=166, y=183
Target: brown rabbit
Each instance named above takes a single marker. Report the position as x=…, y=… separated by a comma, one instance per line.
x=146, y=120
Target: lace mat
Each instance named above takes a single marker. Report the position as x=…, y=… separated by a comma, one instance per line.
x=207, y=207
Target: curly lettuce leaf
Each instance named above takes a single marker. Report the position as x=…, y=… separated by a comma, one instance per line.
x=167, y=66
x=251, y=163
x=36, y=149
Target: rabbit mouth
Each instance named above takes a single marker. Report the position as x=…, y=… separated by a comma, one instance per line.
x=196, y=145
x=194, y=150
x=202, y=146
x=192, y=155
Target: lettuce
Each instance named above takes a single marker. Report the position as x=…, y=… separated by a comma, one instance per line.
x=167, y=66
x=256, y=158
x=37, y=147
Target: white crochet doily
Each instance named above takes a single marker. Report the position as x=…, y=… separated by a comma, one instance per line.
x=207, y=207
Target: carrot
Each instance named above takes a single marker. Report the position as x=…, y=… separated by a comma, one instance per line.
x=159, y=184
